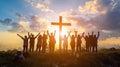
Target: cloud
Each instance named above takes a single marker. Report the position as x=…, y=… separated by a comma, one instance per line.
x=43, y=8
x=15, y=27
x=98, y=15
x=37, y=23
x=41, y=4
x=11, y=26
x=47, y=1
x=31, y=23
x=6, y=21
x=21, y=16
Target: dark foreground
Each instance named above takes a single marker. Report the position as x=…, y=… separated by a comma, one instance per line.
x=105, y=58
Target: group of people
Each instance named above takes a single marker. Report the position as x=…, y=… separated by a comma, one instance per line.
x=91, y=41
x=41, y=42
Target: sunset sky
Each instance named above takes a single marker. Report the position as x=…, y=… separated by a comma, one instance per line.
x=22, y=16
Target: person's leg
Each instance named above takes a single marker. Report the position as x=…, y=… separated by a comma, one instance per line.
x=80, y=48
x=40, y=48
x=37, y=48
x=66, y=47
x=30, y=48
x=23, y=48
x=77, y=48
x=96, y=48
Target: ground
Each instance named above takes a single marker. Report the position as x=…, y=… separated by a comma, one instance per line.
x=104, y=58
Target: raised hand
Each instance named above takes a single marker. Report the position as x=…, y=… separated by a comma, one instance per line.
x=88, y=33
x=83, y=34
x=98, y=35
x=17, y=34
x=98, y=32
x=75, y=33
x=20, y=36
x=92, y=32
x=54, y=32
x=28, y=33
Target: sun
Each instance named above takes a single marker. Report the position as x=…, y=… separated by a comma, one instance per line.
x=64, y=32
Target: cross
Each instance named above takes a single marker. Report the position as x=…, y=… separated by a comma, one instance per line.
x=60, y=24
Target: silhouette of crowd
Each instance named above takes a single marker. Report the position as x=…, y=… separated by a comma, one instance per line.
x=91, y=42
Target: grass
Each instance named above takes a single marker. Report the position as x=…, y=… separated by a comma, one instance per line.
x=104, y=58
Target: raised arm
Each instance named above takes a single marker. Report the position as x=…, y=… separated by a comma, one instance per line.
x=75, y=33
x=29, y=35
x=54, y=32
x=48, y=33
x=98, y=35
x=88, y=34
x=20, y=36
x=83, y=34
x=37, y=35
x=92, y=33
x=69, y=34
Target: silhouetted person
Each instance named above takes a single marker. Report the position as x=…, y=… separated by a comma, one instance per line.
x=79, y=42
x=65, y=43
x=90, y=41
x=44, y=45
x=52, y=41
x=25, y=42
x=39, y=43
x=87, y=43
x=95, y=42
x=72, y=43
x=32, y=41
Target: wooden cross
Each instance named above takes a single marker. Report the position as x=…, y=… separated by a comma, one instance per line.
x=60, y=24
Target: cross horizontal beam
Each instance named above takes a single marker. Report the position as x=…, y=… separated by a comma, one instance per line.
x=65, y=24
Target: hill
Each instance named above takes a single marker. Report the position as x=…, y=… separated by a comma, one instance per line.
x=104, y=58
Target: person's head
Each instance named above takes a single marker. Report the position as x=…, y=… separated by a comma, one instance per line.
x=72, y=35
x=32, y=35
x=94, y=36
x=64, y=35
x=51, y=33
x=40, y=35
x=78, y=35
x=86, y=36
x=25, y=36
